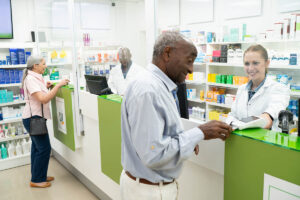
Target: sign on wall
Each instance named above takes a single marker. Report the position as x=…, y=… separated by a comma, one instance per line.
x=278, y=189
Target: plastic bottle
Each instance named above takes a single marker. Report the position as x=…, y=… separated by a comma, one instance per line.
x=3, y=151
x=25, y=147
x=10, y=150
x=19, y=149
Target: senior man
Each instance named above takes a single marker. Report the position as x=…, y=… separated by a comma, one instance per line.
x=154, y=143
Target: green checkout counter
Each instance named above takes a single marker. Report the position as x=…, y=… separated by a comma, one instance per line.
x=252, y=164
x=262, y=164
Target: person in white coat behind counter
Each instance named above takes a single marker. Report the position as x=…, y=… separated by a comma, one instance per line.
x=123, y=73
x=261, y=96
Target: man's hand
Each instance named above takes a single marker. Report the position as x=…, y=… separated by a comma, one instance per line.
x=215, y=129
x=196, y=150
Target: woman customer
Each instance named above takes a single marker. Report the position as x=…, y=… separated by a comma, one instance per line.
x=37, y=98
x=261, y=96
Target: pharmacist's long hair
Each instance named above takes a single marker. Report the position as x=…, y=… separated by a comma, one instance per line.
x=32, y=60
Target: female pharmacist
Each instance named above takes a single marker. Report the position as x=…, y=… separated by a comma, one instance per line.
x=261, y=96
x=37, y=97
x=123, y=73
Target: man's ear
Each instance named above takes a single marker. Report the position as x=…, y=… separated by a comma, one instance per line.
x=166, y=54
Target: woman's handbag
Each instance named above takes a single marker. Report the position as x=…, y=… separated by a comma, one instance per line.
x=38, y=125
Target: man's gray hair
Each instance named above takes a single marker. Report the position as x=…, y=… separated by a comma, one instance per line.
x=166, y=39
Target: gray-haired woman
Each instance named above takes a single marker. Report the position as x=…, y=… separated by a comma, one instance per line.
x=37, y=96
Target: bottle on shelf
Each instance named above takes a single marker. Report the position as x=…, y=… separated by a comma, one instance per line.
x=11, y=149
x=3, y=151
x=18, y=149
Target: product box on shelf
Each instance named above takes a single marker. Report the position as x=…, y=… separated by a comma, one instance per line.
x=14, y=56
x=2, y=76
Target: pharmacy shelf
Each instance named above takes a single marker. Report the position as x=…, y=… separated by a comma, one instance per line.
x=253, y=42
x=101, y=47
x=10, y=85
x=196, y=120
x=194, y=82
x=14, y=138
x=16, y=161
x=295, y=67
x=57, y=64
x=19, y=119
x=199, y=63
x=12, y=66
x=225, y=64
x=55, y=45
x=23, y=45
x=219, y=105
x=196, y=100
x=223, y=85
x=295, y=94
x=12, y=103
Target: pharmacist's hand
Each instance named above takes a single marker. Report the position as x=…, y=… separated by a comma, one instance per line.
x=196, y=150
x=268, y=119
x=49, y=84
x=215, y=129
x=63, y=82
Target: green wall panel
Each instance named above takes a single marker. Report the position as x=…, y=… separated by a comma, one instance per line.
x=246, y=161
x=69, y=138
x=109, y=112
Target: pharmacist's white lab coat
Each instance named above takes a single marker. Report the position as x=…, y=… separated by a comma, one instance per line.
x=116, y=81
x=271, y=98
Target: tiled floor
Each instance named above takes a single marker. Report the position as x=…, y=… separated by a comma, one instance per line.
x=14, y=185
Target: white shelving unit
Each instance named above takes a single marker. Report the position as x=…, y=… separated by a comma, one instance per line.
x=24, y=45
x=196, y=120
x=12, y=103
x=196, y=100
x=194, y=82
x=11, y=120
x=15, y=161
x=10, y=85
x=219, y=105
x=12, y=66
x=24, y=159
x=295, y=94
x=223, y=85
x=14, y=138
x=57, y=64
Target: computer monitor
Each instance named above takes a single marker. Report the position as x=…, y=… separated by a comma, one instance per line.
x=97, y=84
x=183, y=103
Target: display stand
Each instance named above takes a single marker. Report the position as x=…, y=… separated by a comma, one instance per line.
x=63, y=118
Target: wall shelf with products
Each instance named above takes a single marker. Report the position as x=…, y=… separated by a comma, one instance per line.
x=6, y=121
x=24, y=45
x=235, y=67
x=12, y=103
x=13, y=66
x=197, y=120
x=18, y=137
x=10, y=85
x=16, y=161
x=196, y=100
